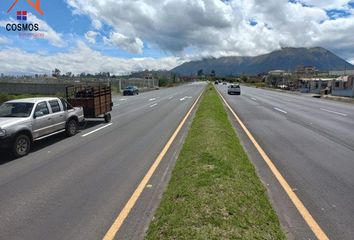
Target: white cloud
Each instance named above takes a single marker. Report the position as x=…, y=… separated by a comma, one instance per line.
x=171, y=25
x=80, y=59
x=337, y=35
x=96, y=24
x=48, y=32
x=4, y=40
x=219, y=28
x=91, y=36
x=327, y=4
x=129, y=44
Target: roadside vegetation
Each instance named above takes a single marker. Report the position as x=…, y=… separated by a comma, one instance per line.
x=256, y=85
x=214, y=192
x=7, y=97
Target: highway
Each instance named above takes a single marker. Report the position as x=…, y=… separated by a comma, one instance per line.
x=311, y=142
x=74, y=188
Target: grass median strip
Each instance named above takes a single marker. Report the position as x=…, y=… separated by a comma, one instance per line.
x=214, y=192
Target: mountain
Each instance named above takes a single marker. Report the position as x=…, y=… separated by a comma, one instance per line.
x=284, y=59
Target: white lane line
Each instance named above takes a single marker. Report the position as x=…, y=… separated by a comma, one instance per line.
x=123, y=99
x=96, y=130
x=153, y=105
x=152, y=99
x=338, y=113
x=280, y=110
x=184, y=98
x=254, y=99
x=170, y=97
x=115, y=106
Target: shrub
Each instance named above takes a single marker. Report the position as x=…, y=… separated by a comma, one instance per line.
x=4, y=97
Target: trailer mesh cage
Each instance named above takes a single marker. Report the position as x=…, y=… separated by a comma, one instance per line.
x=95, y=100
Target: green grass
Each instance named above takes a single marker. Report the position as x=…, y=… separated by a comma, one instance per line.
x=6, y=97
x=214, y=192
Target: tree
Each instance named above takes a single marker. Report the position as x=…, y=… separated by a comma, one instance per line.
x=174, y=79
x=68, y=74
x=213, y=74
x=56, y=72
x=200, y=72
x=244, y=79
x=163, y=81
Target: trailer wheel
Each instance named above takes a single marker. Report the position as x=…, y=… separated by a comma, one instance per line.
x=71, y=128
x=107, y=117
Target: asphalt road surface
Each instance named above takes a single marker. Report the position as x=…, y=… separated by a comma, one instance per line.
x=311, y=142
x=74, y=188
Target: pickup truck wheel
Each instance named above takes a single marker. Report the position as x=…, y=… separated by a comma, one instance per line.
x=71, y=128
x=22, y=145
x=107, y=117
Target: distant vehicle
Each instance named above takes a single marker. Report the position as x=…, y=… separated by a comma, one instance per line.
x=224, y=83
x=234, y=89
x=216, y=82
x=130, y=90
x=26, y=120
x=283, y=86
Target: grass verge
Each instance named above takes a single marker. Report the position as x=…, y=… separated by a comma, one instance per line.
x=214, y=192
x=6, y=97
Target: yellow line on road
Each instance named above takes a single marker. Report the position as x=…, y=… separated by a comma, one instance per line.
x=311, y=222
x=113, y=230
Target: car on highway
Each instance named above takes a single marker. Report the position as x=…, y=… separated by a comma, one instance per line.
x=224, y=83
x=216, y=82
x=234, y=89
x=26, y=120
x=130, y=90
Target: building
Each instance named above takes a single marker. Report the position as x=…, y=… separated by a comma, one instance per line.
x=341, y=73
x=314, y=85
x=277, y=78
x=343, y=86
x=307, y=71
x=148, y=76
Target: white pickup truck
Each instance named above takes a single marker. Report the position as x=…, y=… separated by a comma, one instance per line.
x=26, y=120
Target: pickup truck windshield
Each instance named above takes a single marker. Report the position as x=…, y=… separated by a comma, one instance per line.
x=16, y=109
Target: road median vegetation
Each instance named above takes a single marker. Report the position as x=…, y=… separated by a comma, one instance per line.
x=214, y=192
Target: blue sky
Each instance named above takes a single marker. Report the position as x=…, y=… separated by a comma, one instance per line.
x=72, y=26
x=123, y=36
